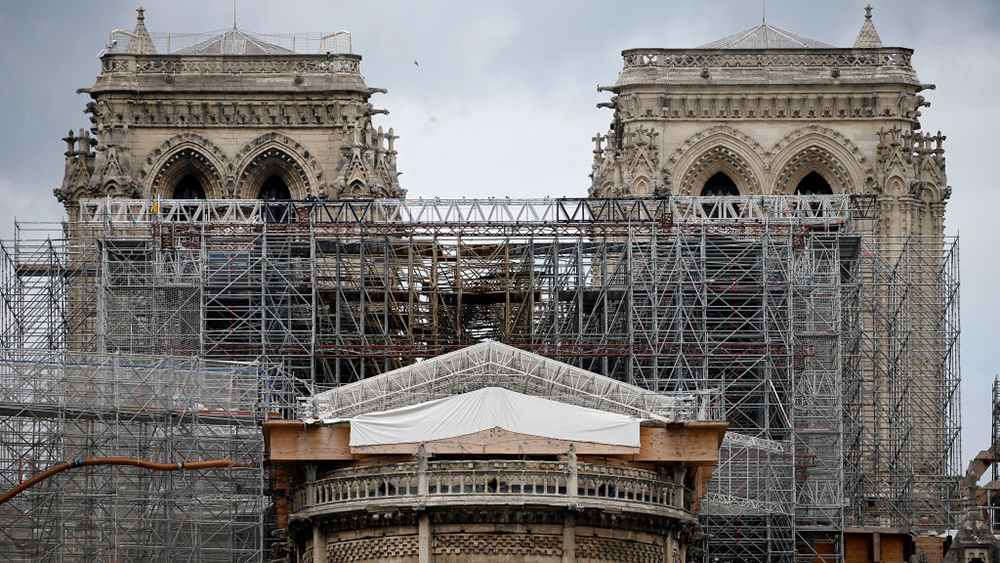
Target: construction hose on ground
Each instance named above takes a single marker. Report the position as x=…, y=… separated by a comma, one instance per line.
x=193, y=465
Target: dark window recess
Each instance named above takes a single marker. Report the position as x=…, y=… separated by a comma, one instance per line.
x=274, y=188
x=814, y=184
x=189, y=188
x=720, y=184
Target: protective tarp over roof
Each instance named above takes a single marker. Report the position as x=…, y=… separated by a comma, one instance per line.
x=493, y=407
x=492, y=364
x=234, y=42
x=765, y=37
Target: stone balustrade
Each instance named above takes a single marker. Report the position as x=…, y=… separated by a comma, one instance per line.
x=843, y=58
x=492, y=482
x=279, y=64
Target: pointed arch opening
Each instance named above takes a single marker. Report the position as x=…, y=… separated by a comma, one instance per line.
x=720, y=184
x=813, y=183
x=188, y=187
x=356, y=190
x=187, y=174
x=274, y=188
x=273, y=174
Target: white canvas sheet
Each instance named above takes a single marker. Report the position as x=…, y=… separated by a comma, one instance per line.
x=493, y=407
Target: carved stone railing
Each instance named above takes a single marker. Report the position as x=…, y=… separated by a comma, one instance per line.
x=466, y=483
x=696, y=58
x=278, y=64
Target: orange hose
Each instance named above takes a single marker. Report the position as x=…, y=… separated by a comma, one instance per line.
x=213, y=464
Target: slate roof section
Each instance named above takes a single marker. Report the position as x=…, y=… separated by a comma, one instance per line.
x=234, y=42
x=766, y=37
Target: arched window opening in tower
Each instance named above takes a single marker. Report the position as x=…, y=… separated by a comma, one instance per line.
x=274, y=188
x=720, y=184
x=189, y=188
x=813, y=184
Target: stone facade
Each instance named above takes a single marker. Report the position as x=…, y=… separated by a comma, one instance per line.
x=258, y=122
x=974, y=542
x=769, y=111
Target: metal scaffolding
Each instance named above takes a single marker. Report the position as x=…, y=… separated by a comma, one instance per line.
x=59, y=406
x=834, y=348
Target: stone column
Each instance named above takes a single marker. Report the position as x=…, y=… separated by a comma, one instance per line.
x=569, y=525
x=424, y=523
x=573, y=479
x=319, y=544
x=319, y=539
x=668, y=546
x=569, y=538
x=310, y=484
x=679, y=473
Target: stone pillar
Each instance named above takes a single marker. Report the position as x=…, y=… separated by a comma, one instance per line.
x=679, y=473
x=424, y=538
x=422, y=488
x=569, y=539
x=319, y=539
x=319, y=544
x=668, y=546
x=569, y=525
x=573, y=479
x=310, y=484
x=424, y=523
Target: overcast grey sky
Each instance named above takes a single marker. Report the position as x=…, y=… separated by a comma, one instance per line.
x=502, y=102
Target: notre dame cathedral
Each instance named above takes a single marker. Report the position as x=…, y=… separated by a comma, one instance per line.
x=765, y=225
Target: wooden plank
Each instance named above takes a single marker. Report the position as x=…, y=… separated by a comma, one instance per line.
x=294, y=441
x=690, y=443
x=497, y=441
x=695, y=443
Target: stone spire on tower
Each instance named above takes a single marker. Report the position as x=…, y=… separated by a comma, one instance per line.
x=141, y=43
x=868, y=37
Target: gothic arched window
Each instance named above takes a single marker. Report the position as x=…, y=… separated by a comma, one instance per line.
x=813, y=184
x=274, y=188
x=720, y=184
x=189, y=187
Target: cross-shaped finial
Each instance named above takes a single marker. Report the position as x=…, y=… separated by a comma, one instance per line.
x=868, y=12
x=141, y=11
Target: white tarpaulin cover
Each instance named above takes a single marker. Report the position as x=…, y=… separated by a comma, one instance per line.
x=493, y=407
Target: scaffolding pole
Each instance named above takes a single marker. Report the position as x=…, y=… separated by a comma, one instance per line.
x=62, y=406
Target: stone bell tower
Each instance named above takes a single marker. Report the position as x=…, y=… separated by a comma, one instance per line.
x=229, y=116
x=766, y=111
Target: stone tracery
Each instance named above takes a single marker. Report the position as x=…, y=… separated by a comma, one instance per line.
x=274, y=153
x=186, y=153
x=719, y=148
x=816, y=148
